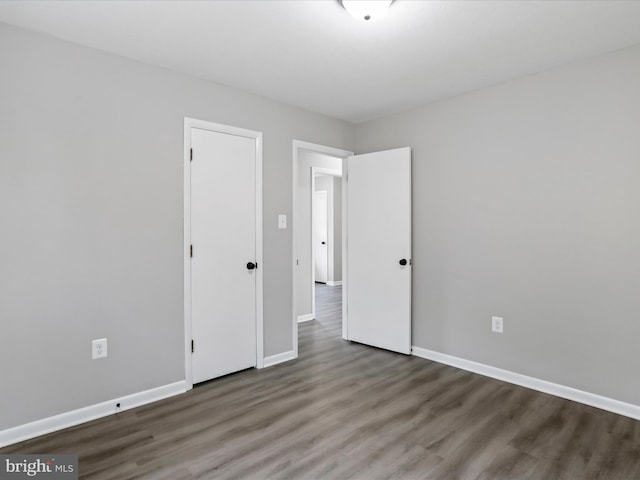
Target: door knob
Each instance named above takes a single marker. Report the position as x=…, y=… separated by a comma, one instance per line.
x=251, y=265
x=403, y=262
x=323, y=243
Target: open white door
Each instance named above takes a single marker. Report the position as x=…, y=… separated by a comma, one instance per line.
x=379, y=249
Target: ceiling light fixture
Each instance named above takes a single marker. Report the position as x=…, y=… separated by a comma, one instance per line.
x=366, y=10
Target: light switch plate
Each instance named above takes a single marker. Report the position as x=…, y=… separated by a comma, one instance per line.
x=282, y=221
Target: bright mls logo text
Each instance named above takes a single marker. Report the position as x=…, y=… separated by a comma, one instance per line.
x=39, y=466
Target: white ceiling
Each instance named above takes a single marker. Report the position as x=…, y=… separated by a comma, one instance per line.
x=312, y=54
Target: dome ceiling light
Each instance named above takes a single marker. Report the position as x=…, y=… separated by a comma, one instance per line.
x=366, y=10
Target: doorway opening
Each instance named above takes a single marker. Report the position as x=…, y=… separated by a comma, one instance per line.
x=316, y=168
x=320, y=219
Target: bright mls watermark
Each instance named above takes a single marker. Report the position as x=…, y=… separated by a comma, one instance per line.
x=51, y=467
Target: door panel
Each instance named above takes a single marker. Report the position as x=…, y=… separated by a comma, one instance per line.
x=378, y=238
x=223, y=235
x=320, y=236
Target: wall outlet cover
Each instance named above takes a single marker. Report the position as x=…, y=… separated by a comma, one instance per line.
x=497, y=324
x=99, y=348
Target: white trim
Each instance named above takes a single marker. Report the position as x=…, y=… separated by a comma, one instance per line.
x=190, y=123
x=306, y=318
x=337, y=283
x=294, y=253
x=580, y=396
x=335, y=152
x=86, y=414
x=312, y=263
x=259, y=256
x=326, y=171
x=279, y=358
x=316, y=147
x=345, y=249
x=186, y=232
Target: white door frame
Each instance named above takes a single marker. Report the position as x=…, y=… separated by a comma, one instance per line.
x=190, y=123
x=299, y=145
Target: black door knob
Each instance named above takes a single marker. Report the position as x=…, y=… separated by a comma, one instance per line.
x=323, y=243
x=403, y=262
x=251, y=266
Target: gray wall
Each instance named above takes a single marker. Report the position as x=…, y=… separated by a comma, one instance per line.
x=526, y=205
x=91, y=207
x=333, y=186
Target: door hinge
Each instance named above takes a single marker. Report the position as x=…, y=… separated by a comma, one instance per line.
x=192, y=347
x=191, y=250
x=191, y=154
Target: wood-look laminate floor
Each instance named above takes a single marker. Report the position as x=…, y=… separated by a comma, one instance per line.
x=344, y=411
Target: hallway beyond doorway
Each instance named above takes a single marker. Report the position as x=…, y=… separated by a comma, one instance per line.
x=329, y=307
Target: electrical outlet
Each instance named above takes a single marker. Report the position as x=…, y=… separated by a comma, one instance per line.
x=497, y=324
x=99, y=348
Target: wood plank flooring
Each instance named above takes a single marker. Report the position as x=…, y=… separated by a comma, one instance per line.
x=347, y=411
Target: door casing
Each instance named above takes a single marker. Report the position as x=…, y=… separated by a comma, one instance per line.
x=190, y=123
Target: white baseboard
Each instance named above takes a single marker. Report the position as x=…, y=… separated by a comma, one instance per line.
x=86, y=414
x=279, y=358
x=592, y=399
x=305, y=318
x=337, y=283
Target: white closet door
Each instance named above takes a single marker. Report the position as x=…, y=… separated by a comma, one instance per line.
x=223, y=235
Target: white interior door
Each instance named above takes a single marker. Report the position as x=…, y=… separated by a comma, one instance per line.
x=223, y=238
x=320, y=221
x=379, y=249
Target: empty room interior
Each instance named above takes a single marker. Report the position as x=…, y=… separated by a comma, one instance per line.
x=320, y=239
